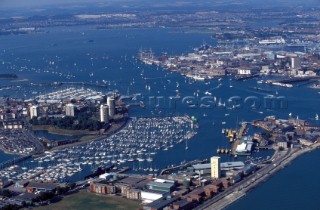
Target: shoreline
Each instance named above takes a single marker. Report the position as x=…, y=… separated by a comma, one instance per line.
x=243, y=187
x=58, y=131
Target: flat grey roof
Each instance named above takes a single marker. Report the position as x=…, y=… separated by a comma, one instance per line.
x=222, y=165
x=160, y=184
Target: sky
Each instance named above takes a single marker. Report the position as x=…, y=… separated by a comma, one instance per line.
x=38, y=3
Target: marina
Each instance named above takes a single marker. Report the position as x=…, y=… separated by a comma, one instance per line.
x=69, y=94
x=133, y=146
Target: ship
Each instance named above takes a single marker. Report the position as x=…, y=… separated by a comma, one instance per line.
x=273, y=41
x=197, y=77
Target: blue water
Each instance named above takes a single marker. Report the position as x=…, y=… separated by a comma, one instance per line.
x=109, y=56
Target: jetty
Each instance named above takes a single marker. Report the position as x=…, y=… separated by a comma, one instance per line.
x=238, y=139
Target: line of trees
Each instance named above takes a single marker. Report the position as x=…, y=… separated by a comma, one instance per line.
x=82, y=121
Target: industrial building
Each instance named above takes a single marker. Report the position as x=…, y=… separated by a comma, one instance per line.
x=160, y=186
x=250, y=168
x=245, y=147
x=148, y=196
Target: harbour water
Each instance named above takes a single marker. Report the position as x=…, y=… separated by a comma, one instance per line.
x=107, y=56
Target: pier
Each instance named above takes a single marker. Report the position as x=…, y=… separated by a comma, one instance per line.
x=123, y=170
x=239, y=136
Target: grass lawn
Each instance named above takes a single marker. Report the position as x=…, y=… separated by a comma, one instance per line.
x=89, y=201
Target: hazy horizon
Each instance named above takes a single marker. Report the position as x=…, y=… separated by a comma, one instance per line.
x=16, y=7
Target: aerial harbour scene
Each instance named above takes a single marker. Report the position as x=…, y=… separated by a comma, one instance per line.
x=158, y=105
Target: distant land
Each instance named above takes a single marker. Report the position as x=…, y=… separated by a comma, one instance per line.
x=8, y=76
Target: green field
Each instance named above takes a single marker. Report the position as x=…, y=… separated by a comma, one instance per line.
x=85, y=201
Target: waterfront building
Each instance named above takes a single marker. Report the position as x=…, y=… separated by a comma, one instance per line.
x=215, y=167
x=70, y=110
x=104, y=113
x=33, y=111
x=111, y=106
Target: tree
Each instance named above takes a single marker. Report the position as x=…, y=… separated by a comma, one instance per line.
x=266, y=134
x=6, y=193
